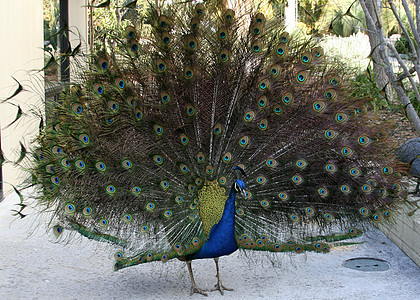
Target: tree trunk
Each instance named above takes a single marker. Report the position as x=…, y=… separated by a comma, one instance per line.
x=379, y=73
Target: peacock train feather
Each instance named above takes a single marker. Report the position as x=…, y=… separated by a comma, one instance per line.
x=210, y=132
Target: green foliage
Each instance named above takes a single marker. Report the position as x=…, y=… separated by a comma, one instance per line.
x=402, y=44
x=390, y=23
x=414, y=101
x=115, y=18
x=344, y=18
x=51, y=36
x=51, y=13
x=311, y=11
x=363, y=86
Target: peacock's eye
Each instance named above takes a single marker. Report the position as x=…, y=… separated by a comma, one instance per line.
x=236, y=187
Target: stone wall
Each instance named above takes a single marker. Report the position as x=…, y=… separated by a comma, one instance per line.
x=405, y=233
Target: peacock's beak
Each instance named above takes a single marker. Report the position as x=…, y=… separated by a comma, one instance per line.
x=243, y=193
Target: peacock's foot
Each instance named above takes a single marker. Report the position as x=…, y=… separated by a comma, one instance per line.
x=219, y=287
x=195, y=289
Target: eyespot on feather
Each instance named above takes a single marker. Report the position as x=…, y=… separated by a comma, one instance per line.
x=223, y=34
x=271, y=163
x=331, y=168
x=77, y=109
x=131, y=101
x=190, y=110
x=184, y=139
x=76, y=91
x=297, y=179
x=103, y=64
x=191, y=43
x=318, y=52
x=209, y=170
x=57, y=230
x=134, y=45
x=302, y=77
x=306, y=57
x=249, y=116
x=330, y=134
x=257, y=47
x=274, y=70
x=57, y=150
x=138, y=114
x=229, y=15
x=164, y=23
x=277, y=109
x=166, y=38
x=113, y=106
x=281, y=50
x=264, y=85
x=330, y=94
x=200, y=157
x=319, y=106
x=263, y=124
x=284, y=37
x=259, y=18
x=136, y=190
x=218, y=129
x=334, y=81
x=165, y=97
x=283, y=196
x=199, y=9
x=227, y=157
x=244, y=141
x=161, y=65
x=130, y=31
x=224, y=56
x=256, y=29
x=99, y=89
x=100, y=166
x=189, y=73
x=195, y=24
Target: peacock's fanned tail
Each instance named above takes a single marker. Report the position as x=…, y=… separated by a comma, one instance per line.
x=154, y=124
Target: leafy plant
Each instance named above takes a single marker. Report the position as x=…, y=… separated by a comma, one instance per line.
x=363, y=86
x=402, y=44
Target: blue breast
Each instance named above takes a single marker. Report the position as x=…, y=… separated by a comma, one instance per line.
x=222, y=235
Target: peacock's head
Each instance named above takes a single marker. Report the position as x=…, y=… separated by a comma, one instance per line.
x=239, y=186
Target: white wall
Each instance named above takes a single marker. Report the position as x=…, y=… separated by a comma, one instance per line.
x=290, y=13
x=21, y=43
x=78, y=22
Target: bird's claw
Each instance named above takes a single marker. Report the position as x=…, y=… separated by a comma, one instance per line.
x=195, y=289
x=219, y=287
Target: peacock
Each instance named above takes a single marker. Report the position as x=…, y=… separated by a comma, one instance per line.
x=206, y=130
x=409, y=153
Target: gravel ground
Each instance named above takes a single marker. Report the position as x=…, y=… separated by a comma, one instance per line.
x=33, y=267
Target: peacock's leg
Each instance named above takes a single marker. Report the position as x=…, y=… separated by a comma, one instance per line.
x=194, y=288
x=219, y=286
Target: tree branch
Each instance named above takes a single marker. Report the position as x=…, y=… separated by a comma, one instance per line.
x=404, y=67
x=410, y=111
x=417, y=3
x=410, y=21
x=394, y=10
